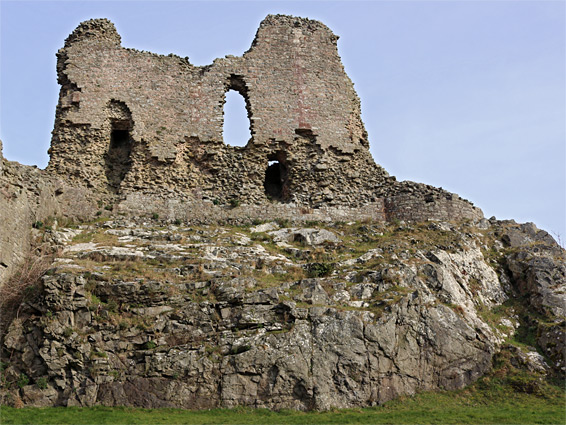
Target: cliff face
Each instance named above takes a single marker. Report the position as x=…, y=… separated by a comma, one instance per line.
x=282, y=314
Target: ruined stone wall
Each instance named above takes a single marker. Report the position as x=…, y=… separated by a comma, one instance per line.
x=303, y=111
x=419, y=202
x=28, y=195
x=136, y=122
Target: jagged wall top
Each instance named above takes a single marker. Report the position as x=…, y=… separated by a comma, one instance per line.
x=93, y=30
x=292, y=78
x=132, y=123
x=302, y=107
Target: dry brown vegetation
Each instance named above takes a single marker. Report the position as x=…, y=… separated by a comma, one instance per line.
x=23, y=286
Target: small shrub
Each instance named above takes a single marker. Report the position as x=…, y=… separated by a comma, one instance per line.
x=94, y=302
x=37, y=225
x=319, y=269
x=234, y=202
x=283, y=222
x=112, y=306
x=142, y=326
x=177, y=222
x=41, y=383
x=150, y=345
x=23, y=380
x=313, y=223
x=458, y=309
x=240, y=349
x=155, y=216
x=68, y=332
x=525, y=383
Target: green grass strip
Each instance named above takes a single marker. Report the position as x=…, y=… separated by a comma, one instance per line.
x=427, y=408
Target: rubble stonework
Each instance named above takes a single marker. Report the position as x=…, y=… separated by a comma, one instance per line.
x=131, y=121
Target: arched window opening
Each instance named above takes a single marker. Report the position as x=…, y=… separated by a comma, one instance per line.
x=237, y=129
x=275, y=184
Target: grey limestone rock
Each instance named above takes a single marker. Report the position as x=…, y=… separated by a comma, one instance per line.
x=173, y=336
x=306, y=236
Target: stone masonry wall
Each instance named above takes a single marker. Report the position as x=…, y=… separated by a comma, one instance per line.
x=136, y=122
x=303, y=111
x=419, y=202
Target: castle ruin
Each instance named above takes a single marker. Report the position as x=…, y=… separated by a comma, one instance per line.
x=197, y=275
x=131, y=121
x=141, y=133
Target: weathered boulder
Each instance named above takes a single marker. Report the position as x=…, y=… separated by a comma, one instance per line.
x=306, y=236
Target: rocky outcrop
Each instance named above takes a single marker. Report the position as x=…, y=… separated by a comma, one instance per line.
x=538, y=266
x=271, y=316
x=26, y=196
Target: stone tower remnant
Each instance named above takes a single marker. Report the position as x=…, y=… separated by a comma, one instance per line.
x=137, y=122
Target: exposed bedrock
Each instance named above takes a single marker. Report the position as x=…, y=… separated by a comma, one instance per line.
x=206, y=316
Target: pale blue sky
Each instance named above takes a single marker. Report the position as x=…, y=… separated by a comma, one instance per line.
x=467, y=95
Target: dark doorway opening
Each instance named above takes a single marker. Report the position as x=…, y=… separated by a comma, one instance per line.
x=118, y=161
x=119, y=138
x=276, y=181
